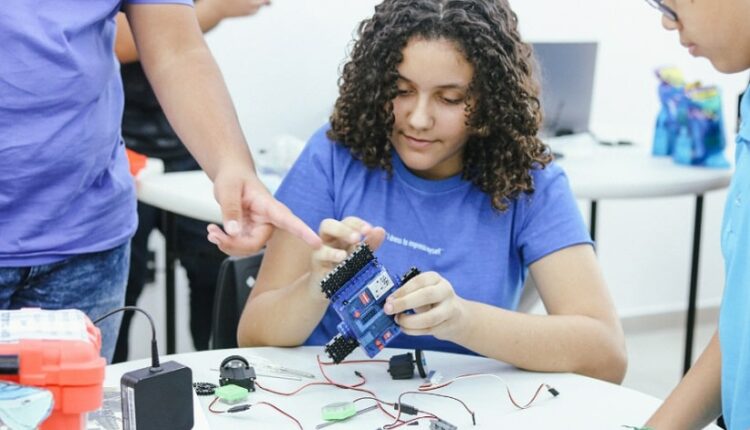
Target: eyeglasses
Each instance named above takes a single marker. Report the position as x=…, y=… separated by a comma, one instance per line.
x=665, y=10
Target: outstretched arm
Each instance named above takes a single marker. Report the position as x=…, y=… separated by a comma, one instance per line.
x=192, y=93
x=581, y=334
x=696, y=401
x=209, y=13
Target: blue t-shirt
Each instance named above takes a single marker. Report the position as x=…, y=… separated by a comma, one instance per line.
x=447, y=226
x=734, y=320
x=64, y=182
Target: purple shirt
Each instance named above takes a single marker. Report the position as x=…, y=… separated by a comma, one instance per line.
x=64, y=182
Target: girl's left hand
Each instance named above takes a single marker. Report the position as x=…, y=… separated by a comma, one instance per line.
x=438, y=310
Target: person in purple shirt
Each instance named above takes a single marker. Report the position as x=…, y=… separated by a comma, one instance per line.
x=146, y=130
x=67, y=202
x=432, y=157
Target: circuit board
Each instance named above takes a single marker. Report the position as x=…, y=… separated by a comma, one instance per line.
x=358, y=288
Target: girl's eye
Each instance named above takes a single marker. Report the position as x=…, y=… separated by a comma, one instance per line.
x=401, y=92
x=452, y=101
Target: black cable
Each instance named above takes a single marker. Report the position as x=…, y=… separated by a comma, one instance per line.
x=155, y=367
x=404, y=406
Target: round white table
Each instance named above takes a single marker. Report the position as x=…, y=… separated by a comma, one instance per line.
x=583, y=403
x=600, y=172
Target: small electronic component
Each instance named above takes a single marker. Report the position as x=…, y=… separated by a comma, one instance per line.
x=231, y=393
x=439, y=424
x=237, y=371
x=402, y=366
x=338, y=411
x=357, y=288
x=405, y=409
x=204, y=388
x=434, y=377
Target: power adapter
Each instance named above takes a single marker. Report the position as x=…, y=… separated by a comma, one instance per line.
x=158, y=398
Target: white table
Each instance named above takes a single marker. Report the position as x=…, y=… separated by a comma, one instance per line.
x=583, y=403
x=189, y=194
x=620, y=172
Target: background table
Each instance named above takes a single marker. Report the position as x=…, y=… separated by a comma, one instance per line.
x=583, y=403
x=619, y=172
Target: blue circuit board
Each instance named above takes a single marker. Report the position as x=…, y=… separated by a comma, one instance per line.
x=358, y=288
x=359, y=304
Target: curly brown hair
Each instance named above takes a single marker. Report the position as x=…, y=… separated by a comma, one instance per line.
x=504, y=116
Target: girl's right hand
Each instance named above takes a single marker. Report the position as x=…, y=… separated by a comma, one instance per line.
x=340, y=238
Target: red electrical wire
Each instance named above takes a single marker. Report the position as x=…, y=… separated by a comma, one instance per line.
x=351, y=387
x=330, y=382
x=409, y=421
x=471, y=412
x=281, y=411
x=397, y=421
x=430, y=387
x=217, y=411
x=310, y=384
x=330, y=363
x=528, y=404
x=373, y=398
x=210, y=405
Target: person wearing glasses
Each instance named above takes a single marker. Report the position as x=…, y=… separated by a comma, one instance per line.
x=719, y=382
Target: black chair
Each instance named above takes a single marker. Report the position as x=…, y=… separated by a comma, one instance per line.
x=235, y=281
x=720, y=422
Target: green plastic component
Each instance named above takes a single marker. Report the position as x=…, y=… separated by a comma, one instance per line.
x=231, y=393
x=338, y=411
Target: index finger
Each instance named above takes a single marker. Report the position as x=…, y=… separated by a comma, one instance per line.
x=283, y=218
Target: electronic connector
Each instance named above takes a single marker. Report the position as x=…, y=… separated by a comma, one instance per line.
x=439, y=424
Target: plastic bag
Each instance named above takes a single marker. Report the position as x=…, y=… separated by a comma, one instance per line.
x=22, y=407
x=690, y=125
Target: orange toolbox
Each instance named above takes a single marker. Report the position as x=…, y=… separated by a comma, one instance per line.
x=60, y=352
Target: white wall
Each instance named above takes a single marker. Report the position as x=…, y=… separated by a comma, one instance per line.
x=281, y=67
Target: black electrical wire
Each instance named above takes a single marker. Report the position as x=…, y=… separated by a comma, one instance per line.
x=155, y=367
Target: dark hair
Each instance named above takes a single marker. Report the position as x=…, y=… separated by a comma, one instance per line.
x=505, y=113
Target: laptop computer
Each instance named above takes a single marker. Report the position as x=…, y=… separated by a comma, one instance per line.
x=566, y=72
